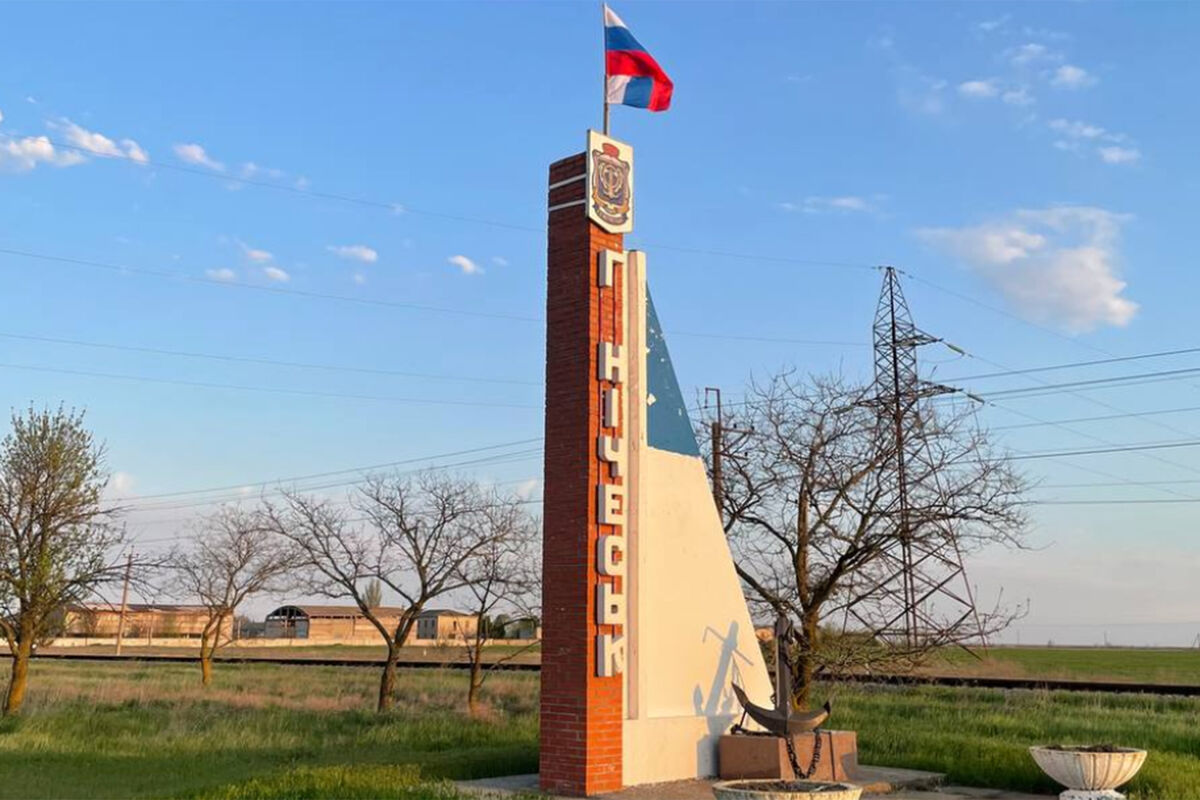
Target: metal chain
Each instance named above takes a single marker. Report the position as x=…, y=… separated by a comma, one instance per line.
x=804, y=774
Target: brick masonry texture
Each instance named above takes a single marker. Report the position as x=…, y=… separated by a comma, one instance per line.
x=581, y=715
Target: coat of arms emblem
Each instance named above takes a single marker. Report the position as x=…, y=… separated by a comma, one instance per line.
x=611, y=195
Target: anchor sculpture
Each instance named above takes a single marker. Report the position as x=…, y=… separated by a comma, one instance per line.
x=783, y=720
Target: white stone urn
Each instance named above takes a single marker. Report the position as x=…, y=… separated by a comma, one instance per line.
x=775, y=789
x=1089, y=772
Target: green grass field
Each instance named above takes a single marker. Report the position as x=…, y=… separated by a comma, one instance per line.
x=1116, y=664
x=261, y=731
x=979, y=737
x=268, y=731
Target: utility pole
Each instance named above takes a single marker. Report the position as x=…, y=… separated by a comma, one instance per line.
x=124, y=602
x=718, y=430
x=718, y=478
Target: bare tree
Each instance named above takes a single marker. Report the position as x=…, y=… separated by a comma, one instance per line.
x=414, y=535
x=58, y=540
x=502, y=575
x=230, y=556
x=810, y=509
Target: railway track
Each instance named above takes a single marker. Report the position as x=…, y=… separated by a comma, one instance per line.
x=303, y=661
x=1051, y=684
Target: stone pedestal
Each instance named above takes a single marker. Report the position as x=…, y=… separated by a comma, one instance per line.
x=755, y=756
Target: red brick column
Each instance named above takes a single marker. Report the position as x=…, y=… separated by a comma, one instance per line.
x=581, y=714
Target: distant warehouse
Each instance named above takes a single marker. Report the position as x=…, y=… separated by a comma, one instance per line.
x=331, y=624
x=142, y=620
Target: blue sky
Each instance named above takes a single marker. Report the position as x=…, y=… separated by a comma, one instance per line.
x=1035, y=158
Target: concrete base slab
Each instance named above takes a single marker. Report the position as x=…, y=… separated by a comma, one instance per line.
x=760, y=756
x=966, y=793
x=874, y=780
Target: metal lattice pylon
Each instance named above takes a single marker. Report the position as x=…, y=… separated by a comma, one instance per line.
x=918, y=591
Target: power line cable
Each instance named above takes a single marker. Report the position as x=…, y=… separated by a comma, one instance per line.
x=1075, y=364
x=125, y=269
x=1101, y=418
x=1136, y=379
x=1135, y=502
x=261, y=360
x=1094, y=471
x=1102, y=484
x=505, y=458
x=1102, y=404
x=404, y=208
x=346, y=471
x=390, y=207
x=267, y=389
x=280, y=290
x=393, y=207
x=1129, y=448
x=182, y=536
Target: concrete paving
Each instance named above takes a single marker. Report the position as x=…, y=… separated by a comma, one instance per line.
x=882, y=782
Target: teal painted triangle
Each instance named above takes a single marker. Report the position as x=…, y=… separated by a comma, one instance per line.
x=668, y=426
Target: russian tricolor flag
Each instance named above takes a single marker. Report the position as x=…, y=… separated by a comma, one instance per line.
x=634, y=77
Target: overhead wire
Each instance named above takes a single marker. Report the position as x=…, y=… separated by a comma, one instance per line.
x=345, y=471
x=126, y=269
x=1073, y=365
x=169, y=505
x=1125, y=380
x=261, y=360
x=270, y=389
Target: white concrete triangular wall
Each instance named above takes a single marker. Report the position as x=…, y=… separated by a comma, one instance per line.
x=690, y=633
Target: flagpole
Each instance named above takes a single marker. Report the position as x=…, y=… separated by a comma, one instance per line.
x=604, y=56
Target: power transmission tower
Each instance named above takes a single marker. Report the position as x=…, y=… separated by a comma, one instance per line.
x=922, y=592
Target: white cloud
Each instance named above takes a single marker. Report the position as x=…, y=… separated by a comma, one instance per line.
x=526, y=489
x=195, y=154
x=1110, y=147
x=252, y=170
x=1018, y=96
x=120, y=485
x=360, y=278
x=1057, y=265
x=848, y=203
x=27, y=152
x=135, y=151
x=94, y=143
x=354, y=252
x=1077, y=129
x=1114, y=154
x=276, y=274
x=500, y=261
x=989, y=25
x=1031, y=53
x=1069, y=76
x=258, y=256
x=978, y=89
x=1, y=116
x=222, y=274
x=465, y=264
x=1046, y=33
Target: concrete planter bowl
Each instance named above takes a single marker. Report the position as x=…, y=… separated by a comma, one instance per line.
x=1087, y=771
x=775, y=789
